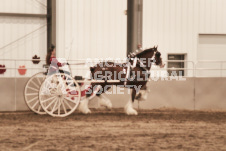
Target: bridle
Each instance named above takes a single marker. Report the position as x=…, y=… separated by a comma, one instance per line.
x=137, y=61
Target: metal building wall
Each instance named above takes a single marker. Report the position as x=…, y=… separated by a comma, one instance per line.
x=22, y=37
x=174, y=25
x=23, y=6
x=91, y=28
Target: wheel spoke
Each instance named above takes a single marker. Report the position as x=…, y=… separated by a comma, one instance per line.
x=62, y=102
x=48, y=81
x=35, y=104
x=44, y=91
x=35, y=84
x=30, y=94
x=70, y=84
x=39, y=108
x=33, y=89
x=38, y=81
x=35, y=98
x=67, y=104
x=53, y=110
x=43, y=101
x=53, y=91
x=71, y=100
x=50, y=104
x=59, y=106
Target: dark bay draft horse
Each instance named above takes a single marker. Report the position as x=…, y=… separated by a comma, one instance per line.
x=133, y=74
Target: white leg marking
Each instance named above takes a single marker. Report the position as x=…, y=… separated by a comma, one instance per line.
x=129, y=108
x=104, y=101
x=83, y=106
x=144, y=95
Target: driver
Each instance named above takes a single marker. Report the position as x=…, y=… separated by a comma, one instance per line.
x=52, y=61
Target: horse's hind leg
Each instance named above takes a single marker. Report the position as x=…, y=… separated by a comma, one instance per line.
x=129, y=106
x=103, y=100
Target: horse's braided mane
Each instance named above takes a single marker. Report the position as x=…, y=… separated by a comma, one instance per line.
x=139, y=54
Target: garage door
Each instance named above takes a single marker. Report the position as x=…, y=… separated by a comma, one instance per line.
x=211, y=54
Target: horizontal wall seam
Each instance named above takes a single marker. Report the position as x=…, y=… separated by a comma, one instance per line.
x=23, y=15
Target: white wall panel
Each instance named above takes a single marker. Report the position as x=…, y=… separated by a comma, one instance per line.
x=174, y=25
x=92, y=28
x=23, y=6
x=22, y=38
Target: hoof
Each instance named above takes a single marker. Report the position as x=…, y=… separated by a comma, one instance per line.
x=84, y=111
x=83, y=107
x=106, y=103
x=129, y=109
x=131, y=112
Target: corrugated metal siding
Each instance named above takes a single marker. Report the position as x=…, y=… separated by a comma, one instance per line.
x=174, y=25
x=92, y=28
x=21, y=37
x=23, y=6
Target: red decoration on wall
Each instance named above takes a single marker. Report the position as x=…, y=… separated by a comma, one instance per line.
x=36, y=61
x=2, y=69
x=22, y=70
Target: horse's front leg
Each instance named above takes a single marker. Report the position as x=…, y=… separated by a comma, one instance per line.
x=83, y=106
x=129, y=106
x=143, y=94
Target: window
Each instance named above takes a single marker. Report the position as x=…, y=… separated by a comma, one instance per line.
x=179, y=64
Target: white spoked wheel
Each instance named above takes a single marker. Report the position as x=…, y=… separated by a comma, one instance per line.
x=59, y=95
x=31, y=93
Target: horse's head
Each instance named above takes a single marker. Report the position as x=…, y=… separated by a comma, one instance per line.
x=158, y=59
x=147, y=54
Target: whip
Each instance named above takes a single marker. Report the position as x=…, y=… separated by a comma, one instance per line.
x=70, y=48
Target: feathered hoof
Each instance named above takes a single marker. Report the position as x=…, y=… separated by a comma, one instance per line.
x=130, y=111
x=84, y=111
x=106, y=103
x=83, y=107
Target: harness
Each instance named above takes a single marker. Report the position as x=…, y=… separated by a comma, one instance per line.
x=136, y=61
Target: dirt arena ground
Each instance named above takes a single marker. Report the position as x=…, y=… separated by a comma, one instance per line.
x=113, y=130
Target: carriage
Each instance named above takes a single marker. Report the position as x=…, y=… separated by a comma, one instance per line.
x=57, y=93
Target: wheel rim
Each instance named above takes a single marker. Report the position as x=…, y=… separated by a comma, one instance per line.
x=31, y=93
x=59, y=95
